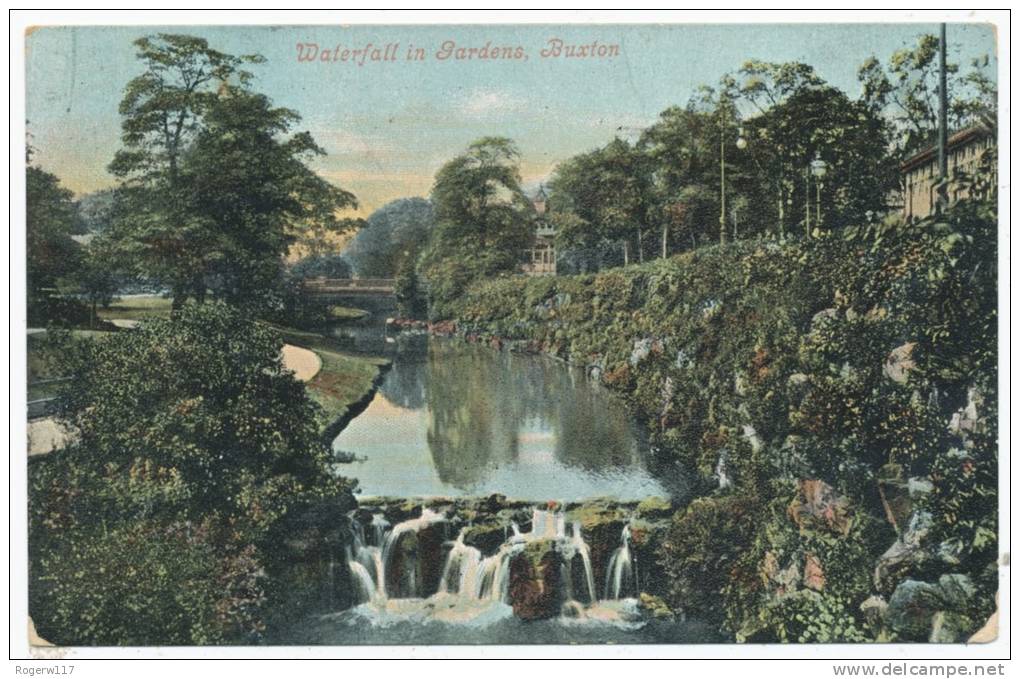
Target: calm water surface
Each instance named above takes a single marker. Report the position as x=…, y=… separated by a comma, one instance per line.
x=458, y=419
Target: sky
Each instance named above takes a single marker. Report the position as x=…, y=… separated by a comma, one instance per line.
x=387, y=126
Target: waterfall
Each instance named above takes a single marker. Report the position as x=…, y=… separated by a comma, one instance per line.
x=495, y=583
x=408, y=571
x=379, y=525
x=621, y=576
x=580, y=549
x=463, y=571
x=466, y=575
x=363, y=584
x=369, y=557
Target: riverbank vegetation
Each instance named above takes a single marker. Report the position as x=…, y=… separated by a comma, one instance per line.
x=196, y=453
x=198, y=466
x=345, y=378
x=834, y=401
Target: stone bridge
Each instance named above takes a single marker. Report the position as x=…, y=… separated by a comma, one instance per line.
x=348, y=287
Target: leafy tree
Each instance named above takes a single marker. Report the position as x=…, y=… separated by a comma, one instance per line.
x=410, y=302
x=49, y=220
x=392, y=233
x=483, y=221
x=766, y=85
x=252, y=192
x=95, y=278
x=211, y=191
x=321, y=266
x=607, y=191
x=906, y=91
x=162, y=112
x=821, y=122
x=683, y=148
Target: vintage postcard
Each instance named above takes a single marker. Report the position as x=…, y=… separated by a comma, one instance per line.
x=512, y=334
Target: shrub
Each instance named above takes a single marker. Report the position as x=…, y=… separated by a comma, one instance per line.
x=195, y=451
x=701, y=551
x=325, y=266
x=144, y=583
x=810, y=617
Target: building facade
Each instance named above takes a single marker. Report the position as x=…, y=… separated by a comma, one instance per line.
x=920, y=172
x=540, y=258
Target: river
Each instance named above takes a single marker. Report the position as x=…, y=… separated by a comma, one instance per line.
x=452, y=419
x=457, y=419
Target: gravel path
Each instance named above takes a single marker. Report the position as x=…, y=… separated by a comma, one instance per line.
x=305, y=363
x=45, y=435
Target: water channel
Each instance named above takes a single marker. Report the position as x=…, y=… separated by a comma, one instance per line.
x=452, y=419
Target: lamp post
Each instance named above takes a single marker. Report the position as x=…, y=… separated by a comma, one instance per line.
x=818, y=169
x=741, y=144
x=807, y=202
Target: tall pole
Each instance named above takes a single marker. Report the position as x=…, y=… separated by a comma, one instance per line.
x=807, y=202
x=722, y=187
x=818, y=202
x=943, y=122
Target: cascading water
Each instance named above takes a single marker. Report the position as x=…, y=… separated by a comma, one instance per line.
x=463, y=570
x=621, y=576
x=379, y=525
x=469, y=579
x=364, y=586
x=581, y=550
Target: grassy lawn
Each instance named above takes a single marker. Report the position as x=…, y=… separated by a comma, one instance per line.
x=137, y=308
x=344, y=379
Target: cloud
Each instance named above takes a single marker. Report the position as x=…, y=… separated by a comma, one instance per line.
x=346, y=143
x=484, y=102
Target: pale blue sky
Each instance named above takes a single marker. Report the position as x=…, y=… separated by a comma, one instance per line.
x=387, y=127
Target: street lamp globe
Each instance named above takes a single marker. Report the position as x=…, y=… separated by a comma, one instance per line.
x=741, y=142
x=818, y=166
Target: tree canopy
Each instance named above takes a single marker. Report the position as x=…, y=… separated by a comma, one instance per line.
x=905, y=91
x=49, y=223
x=212, y=189
x=483, y=219
x=396, y=231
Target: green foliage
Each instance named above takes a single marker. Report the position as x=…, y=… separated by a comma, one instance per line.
x=145, y=584
x=483, y=221
x=52, y=254
x=212, y=190
x=393, y=233
x=905, y=90
x=701, y=552
x=606, y=190
x=194, y=450
x=665, y=194
x=771, y=361
x=324, y=266
x=411, y=301
x=806, y=617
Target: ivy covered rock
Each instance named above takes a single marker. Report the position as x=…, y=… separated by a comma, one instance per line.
x=862, y=363
x=536, y=590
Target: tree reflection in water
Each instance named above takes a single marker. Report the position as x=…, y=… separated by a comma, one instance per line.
x=488, y=410
x=452, y=418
